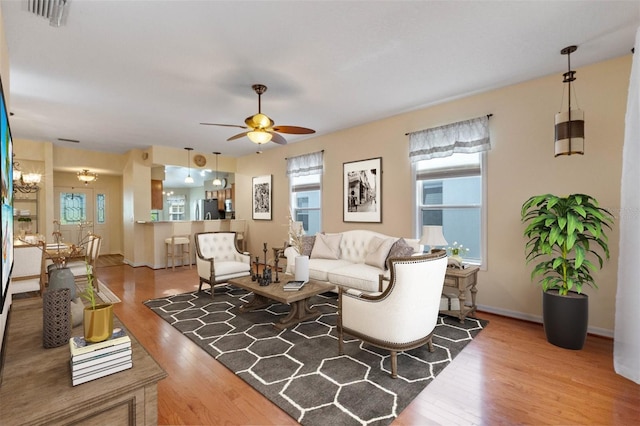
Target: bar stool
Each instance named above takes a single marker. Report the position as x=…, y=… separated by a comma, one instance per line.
x=239, y=226
x=179, y=240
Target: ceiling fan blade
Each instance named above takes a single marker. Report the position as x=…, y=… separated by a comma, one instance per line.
x=238, y=136
x=278, y=138
x=294, y=130
x=224, y=125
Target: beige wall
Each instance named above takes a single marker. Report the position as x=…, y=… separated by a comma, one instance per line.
x=520, y=164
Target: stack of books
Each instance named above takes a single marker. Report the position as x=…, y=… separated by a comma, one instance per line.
x=90, y=361
x=293, y=285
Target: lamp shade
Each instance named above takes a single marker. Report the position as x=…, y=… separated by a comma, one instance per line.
x=259, y=136
x=569, y=133
x=432, y=236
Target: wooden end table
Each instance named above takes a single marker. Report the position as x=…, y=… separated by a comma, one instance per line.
x=266, y=295
x=462, y=279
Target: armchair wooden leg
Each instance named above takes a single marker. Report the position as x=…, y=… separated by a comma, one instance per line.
x=430, y=344
x=394, y=365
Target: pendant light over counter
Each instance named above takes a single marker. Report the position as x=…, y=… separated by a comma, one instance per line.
x=188, y=179
x=217, y=181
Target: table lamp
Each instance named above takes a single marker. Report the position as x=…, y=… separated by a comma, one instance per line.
x=432, y=236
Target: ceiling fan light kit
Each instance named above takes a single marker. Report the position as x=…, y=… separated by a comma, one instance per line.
x=261, y=128
x=259, y=136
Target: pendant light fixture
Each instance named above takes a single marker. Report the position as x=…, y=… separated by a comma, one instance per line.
x=86, y=176
x=216, y=181
x=188, y=179
x=569, y=125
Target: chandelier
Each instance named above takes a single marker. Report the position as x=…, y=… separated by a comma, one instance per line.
x=86, y=176
x=25, y=182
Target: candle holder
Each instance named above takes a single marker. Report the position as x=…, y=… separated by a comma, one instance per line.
x=265, y=278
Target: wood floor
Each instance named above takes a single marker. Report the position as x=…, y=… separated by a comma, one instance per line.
x=508, y=375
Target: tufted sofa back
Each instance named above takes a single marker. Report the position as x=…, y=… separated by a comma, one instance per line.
x=218, y=245
x=354, y=244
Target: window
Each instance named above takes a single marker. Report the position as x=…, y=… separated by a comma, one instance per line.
x=449, y=193
x=306, y=199
x=100, y=209
x=73, y=208
x=305, y=189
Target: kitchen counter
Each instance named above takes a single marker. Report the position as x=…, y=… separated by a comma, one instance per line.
x=156, y=232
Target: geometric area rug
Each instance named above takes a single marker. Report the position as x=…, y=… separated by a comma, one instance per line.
x=299, y=368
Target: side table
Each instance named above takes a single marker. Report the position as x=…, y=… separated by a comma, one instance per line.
x=462, y=279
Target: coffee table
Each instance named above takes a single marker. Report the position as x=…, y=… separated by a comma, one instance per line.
x=266, y=295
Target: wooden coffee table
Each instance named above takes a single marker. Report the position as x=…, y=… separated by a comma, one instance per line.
x=299, y=300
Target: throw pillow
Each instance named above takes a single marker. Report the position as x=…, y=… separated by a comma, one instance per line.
x=400, y=249
x=326, y=246
x=378, y=251
x=307, y=242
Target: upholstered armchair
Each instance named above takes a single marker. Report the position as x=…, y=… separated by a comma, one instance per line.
x=404, y=315
x=218, y=259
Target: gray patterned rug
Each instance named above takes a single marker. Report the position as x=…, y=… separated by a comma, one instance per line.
x=299, y=369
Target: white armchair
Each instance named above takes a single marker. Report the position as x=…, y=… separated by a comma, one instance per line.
x=218, y=259
x=403, y=316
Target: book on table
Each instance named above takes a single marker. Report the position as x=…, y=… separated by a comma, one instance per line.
x=77, y=379
x=80, y=347
x=294, y=285
x=102, y=360
x=90, y=361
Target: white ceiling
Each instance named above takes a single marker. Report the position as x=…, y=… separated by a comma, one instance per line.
x=129, y=74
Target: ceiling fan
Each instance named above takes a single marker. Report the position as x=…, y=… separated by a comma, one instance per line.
x=261, y=128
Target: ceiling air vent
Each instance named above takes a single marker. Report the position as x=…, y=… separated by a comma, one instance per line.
x=53, y=10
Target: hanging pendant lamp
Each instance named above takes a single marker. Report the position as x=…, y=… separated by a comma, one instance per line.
x=569, y=125
x=188, y=179
x=216, y=181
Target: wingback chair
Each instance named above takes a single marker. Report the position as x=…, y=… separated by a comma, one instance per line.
x=404, y=315
x=218, y=259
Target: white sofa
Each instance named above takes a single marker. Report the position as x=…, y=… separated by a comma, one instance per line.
x=359, y=262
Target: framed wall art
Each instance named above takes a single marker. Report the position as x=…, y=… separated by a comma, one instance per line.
x=261, y=191
x=362, y=191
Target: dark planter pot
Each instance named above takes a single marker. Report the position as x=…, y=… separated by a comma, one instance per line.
x=565, y=318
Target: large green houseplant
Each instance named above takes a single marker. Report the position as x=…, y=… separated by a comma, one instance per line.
x=567, y=234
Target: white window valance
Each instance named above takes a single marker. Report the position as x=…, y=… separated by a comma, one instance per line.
x=463, y=137
x=305, y=165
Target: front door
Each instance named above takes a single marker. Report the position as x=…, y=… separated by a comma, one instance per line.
x=73, y=207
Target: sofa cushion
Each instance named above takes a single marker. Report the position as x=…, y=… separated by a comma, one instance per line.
x=326, y=246
x=306, y=244
x=400, y=249
x=378, y=251
x=319, y=268
x=356, y=275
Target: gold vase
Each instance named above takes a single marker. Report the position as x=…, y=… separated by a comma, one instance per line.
x=98, y=323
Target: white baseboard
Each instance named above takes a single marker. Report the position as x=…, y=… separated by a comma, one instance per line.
x=538, y=319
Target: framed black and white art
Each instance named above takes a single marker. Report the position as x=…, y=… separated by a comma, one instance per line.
x=262, y=197
x=362, y=191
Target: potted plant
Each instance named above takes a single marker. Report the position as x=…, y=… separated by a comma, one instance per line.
x=567, y=233
x=97, y=318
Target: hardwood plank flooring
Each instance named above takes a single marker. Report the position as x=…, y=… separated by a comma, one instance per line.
x=509, y=374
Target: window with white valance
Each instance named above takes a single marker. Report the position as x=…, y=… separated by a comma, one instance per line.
x=466, y=137
x=448, y=163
